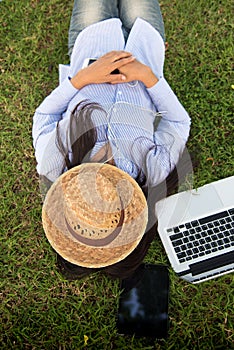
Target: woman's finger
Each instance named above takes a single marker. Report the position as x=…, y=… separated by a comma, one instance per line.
x=116, y=55
x=122, y=62
x=116, y=78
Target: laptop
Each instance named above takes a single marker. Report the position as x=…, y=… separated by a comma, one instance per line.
x=197, y=230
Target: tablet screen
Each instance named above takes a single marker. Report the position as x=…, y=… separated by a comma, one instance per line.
x=143, y=304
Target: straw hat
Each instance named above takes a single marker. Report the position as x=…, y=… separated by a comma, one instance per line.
x=94, y=215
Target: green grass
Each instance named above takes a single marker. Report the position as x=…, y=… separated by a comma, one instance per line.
x=39, y=309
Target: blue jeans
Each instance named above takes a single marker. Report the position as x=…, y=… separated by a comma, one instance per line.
x=86, y=12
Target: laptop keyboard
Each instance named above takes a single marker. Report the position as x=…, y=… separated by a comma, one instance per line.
x=203, y=236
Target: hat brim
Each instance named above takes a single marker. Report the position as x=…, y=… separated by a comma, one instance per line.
x=72, y=250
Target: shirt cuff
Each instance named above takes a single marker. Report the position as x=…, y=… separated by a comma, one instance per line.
x=167, y=103
x=160, y=91
x=58, y=100
x=68, y=87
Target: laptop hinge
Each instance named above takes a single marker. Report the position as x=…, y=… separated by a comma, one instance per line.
x=212, y=263
x=183, y=273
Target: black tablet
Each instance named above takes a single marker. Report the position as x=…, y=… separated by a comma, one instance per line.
x=143, y=303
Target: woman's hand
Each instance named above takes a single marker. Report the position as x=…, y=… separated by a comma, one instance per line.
x=136, y=70
x=100, y=71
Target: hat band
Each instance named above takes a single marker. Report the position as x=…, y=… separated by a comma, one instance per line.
x=102, y=241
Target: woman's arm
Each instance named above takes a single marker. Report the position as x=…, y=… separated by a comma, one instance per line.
x=172, y=132
x=49, y=161
x=160, y=155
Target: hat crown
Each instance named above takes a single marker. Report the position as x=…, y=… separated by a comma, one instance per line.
x=102, y=207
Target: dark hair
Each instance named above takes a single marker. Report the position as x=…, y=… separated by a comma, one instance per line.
x=83, y=136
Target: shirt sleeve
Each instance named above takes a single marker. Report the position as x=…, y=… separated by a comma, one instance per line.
x=49, y=160
x=161, y=154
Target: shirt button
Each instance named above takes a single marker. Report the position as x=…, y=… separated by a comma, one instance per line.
x=119, y=92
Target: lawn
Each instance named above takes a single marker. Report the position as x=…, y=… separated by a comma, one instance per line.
x=41, y=310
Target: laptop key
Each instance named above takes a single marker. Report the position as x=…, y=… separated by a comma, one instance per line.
x=214, y=237
x=194, y=223
x=227, y=233
x=204, y=234
x=181, y=255
x=177, y=243
x=175, y=237
x=227, y=245
x=220, y=235
x=186, y=233
x=220, y=242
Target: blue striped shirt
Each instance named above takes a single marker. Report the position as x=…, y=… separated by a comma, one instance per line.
x=131, y=108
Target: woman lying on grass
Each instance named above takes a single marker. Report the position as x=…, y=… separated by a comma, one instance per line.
x=117, y=109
